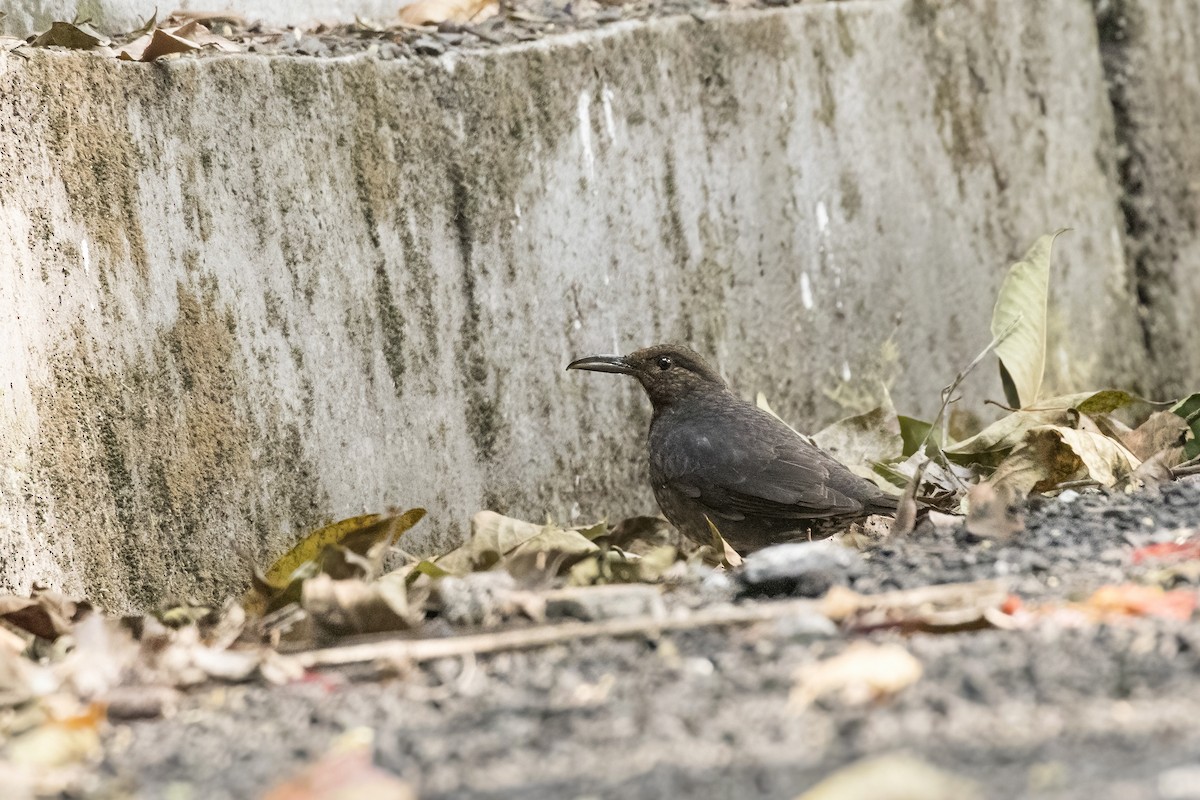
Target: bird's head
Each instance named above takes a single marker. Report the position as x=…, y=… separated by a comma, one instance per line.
x=667, y=372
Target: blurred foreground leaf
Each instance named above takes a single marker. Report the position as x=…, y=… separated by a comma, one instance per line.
x=345, y=772
x=1189, y=409
x=436, y=12
x=892, y=777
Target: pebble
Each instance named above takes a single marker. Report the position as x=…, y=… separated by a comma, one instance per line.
x=807, y=569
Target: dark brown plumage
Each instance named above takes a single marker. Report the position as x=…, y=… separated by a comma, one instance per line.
x=714, y=456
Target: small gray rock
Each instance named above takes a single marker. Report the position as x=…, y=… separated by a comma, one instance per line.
x=805, y=569
x=312, y=46
x=478, y=598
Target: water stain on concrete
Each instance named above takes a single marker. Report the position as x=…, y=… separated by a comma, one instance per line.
x=91, y=139
x=166, y=454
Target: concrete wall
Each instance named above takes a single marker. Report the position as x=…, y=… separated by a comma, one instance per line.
x=240, y=296
x=1152, y=56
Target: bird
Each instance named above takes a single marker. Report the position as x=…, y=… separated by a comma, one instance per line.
x=718, y=461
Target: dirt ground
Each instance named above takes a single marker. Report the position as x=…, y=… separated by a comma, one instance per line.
x=1060, y=709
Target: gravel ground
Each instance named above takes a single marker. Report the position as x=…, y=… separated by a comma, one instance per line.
x=390, y=39
x=1095, y=711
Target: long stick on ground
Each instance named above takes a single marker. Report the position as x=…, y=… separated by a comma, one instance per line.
x=416, y=650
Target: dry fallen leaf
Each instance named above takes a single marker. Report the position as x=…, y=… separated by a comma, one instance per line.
x=1142, y=601
x=163, y=43
x=45, y=613
x=892, y=777
x=941, y=608
x=75, y=37
x=354, y=606
x=1162, y=430
x=1185, y=548
x=435, y=12
x=862, y=673
x=497, y=540
x=344, y=772
x=1051, y=455
x=729, y=558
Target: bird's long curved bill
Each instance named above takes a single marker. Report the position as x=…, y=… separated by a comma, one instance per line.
x=616, y=364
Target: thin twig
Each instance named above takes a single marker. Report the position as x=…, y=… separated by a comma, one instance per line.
x=998, y=404
x=948, y=394
x=416, y=650
x=949, y=391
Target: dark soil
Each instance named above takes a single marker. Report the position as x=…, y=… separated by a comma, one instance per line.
x=1093, y=712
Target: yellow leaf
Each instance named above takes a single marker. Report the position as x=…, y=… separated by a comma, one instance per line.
x=730, y=558
x=356, y=534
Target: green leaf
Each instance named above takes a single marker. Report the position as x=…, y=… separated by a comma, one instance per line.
x=1021, y=309
x=916, y=432
x=1104, y=401
x=1189, y=409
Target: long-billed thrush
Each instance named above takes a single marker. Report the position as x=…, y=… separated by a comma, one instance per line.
x=718, y=460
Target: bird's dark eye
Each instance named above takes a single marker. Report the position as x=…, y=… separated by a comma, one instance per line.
x=664, y=362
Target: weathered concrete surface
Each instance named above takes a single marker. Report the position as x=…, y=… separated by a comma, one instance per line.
x=239, y=296
x=1152, y=55
x=23, y=17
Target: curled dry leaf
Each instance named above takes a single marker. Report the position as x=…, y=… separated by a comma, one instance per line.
x=997, y=439
x=497, y=539
x=46, y=613
x=861, y=674
x=351, y=547
x=354, y=606
x=357, y=534
x=1163, y=430
x=727, y=556
x=1052, y=454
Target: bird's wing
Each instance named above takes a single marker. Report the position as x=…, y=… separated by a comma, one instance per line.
x=768, y=472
